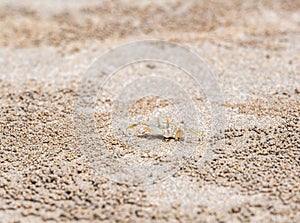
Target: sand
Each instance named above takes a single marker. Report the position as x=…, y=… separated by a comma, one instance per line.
x=252, y=174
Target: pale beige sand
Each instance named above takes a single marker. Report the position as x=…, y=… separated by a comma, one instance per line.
x=252, y=47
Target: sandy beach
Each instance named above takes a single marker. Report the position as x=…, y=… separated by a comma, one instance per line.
x=252, y=173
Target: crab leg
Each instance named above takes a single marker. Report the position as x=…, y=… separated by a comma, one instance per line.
x=149, y=128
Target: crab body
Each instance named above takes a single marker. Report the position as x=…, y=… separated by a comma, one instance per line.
x=168, y=130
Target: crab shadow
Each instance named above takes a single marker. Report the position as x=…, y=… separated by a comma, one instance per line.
x=155, y=137
x=152, y=137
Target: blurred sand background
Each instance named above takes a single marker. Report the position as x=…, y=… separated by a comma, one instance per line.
x=253, y=48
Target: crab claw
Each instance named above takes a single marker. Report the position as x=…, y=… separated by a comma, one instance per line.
x=179, y=135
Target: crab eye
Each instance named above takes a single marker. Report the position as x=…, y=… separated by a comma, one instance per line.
x=169, y=129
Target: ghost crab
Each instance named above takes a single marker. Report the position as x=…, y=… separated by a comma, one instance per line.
x=168, y=130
